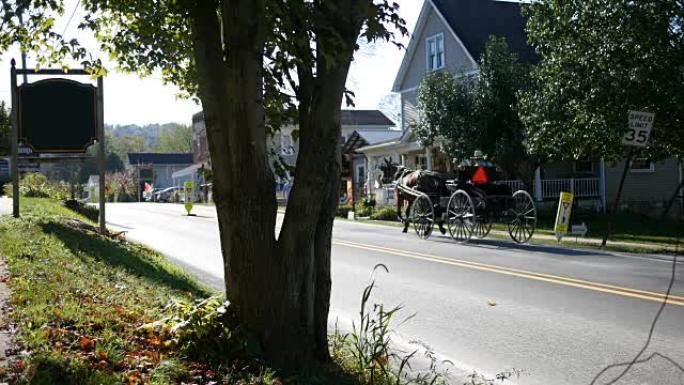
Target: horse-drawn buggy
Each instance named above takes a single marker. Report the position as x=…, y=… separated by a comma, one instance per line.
x=467, y=202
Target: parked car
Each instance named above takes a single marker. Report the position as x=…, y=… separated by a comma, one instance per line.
x=152, y=195
x=167, y=195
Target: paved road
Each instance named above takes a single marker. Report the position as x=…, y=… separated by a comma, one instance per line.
x=560, y=315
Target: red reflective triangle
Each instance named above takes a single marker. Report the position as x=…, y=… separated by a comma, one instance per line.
x=480, y=176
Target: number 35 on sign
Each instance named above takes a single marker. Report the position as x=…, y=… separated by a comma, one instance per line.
x=639, y=128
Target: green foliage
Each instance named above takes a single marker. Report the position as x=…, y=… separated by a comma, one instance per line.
x=386, y=213
x=88, y=211
x=367, y=351
x=471, y=113
x=343, y=210
x=36, y=185
x=205, y=330
x=79, y=299
x=600, y=59
x=5, y=129
x=177, y=138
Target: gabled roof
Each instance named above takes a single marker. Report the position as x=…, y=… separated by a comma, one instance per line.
x=364, y=118
x=374, y=136
x=471, y=23
x=363, y=138
x=474, y=21
x=159, y=158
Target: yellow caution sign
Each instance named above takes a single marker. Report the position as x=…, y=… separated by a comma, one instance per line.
x=563, y=215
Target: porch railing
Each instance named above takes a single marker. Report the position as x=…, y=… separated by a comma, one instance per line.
x=551, y=188
x=581, y=187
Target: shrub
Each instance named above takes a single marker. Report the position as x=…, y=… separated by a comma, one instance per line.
x=87, y=211
x=343, y=210
x=36, y=185
x=387, y=213
x=204, y=330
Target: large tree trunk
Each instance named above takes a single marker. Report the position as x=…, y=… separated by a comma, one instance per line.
x=279, y=288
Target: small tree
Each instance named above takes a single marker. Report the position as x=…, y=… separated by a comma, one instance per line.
x=5, y=130
x=468, y=113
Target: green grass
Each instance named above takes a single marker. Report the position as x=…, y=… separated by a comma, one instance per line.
x=88, y=310
x=79, y=300
x=637, y=233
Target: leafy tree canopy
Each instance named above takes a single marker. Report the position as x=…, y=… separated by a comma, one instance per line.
x=175, y=138
x=5, y=129
x=601, y=58
x=245, y=60
x=468, y=113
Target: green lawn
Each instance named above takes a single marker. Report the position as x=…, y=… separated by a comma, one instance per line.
x=80, y=299
x=656, y=235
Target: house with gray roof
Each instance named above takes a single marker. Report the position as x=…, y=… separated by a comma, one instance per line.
x=450, y=36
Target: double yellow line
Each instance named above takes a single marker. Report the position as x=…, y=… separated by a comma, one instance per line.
x=559, y=280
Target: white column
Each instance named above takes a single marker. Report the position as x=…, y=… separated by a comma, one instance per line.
x=602, y=183
x=428, y=156
x=370, y=175
x=538, y=195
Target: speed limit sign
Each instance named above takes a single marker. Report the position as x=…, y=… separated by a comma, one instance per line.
x=639, y=128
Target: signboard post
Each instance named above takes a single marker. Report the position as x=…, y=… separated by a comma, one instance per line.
x=15, y=143
x=56, y=116
x=638, y=133
x=563, y=214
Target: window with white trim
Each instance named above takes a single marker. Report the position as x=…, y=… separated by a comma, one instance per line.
x=642, y=165
x=435, y=52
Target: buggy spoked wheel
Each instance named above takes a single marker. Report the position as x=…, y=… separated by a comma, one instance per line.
x=423, y=216
x=460, y=216
x=482, y=227
x=524, y=217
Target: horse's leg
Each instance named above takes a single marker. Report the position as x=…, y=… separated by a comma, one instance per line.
x=407, y=214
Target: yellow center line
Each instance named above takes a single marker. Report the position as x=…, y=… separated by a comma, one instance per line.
x=573, y=282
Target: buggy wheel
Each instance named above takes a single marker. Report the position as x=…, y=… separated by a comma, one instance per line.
x=460, y=216
x=524, y=217
x=482, y=227
x=423, y=216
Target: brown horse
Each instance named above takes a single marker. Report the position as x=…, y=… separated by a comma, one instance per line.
x=411, y=179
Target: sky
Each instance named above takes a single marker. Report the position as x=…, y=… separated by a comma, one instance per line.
x=129, y=99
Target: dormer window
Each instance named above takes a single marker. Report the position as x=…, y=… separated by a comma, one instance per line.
x=435, y=52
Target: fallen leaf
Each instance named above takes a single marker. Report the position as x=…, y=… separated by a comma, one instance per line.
x=87, y=343
x=491, y=303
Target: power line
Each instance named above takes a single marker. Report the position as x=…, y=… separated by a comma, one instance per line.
x=71, y=17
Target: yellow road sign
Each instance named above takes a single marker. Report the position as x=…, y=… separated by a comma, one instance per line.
x=563, y=214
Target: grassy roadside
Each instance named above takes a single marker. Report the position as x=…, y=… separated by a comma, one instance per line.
x=91, y=310
x=79, y=301
x=631, y=233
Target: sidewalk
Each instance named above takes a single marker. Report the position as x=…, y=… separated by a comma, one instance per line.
x=5, y=206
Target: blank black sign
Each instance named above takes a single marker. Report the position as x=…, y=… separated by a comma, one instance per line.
x=57, y=116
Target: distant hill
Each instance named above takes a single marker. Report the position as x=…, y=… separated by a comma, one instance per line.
x=149, y=132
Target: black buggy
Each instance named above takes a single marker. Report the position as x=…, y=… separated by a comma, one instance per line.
x=469, y=203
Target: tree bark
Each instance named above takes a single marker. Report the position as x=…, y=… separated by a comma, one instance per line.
x=280, y=288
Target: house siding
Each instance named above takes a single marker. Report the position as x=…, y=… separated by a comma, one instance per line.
x=654, y=187
x=409, y=109
x=456, y=58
